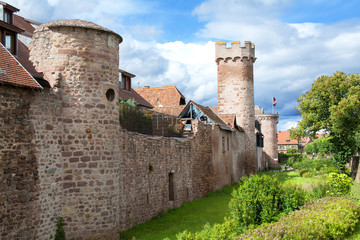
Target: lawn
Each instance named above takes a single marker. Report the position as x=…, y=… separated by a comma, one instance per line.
x=191, y=216
x=211, y=209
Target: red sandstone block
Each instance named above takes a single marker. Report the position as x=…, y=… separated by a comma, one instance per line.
x=67, y=120
x=68, y=185
x=109, y=182
x=85, y=158
x=86, y=53
x=82, y=184
x=66, y=154
x=67, y=51
x=68, y=178
x=72, y=160
x=81, y=165
x=78, y=153
x=93, y=164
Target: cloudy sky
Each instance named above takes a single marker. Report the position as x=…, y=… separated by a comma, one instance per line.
x=171, y=42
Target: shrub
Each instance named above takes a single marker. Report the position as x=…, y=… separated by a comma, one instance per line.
x=261, y=199
x=303, y=171
x=320, y=190
x=256, y=201
x=327, y=218
x=293, y=197
x=224, y=231
x=340, y=184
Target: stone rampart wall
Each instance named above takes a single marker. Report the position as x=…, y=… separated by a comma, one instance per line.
x=19, y=173
x=146, y=165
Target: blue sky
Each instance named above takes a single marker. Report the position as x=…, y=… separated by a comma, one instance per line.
x=168, y=42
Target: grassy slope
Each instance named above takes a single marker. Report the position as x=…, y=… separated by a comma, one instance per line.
x=191, y=216
x=212, y=209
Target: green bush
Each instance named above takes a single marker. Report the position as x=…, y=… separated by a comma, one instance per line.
x=317, y=164
x=255, y=201
x=303, y=171
x=224, y=231
x=340, y=184
x=326, y=218
x=261, y=199
x=293, y=197
x=320, y=190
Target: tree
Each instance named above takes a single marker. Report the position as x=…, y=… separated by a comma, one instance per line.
x=320, y=146
x=332, y=105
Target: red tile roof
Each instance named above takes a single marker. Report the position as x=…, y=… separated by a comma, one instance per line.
x=168, y=96
x=12, y=72
x=284, y=138
x=175, y=111
x=123, y=94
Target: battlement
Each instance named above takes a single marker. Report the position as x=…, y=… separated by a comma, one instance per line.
x=235, y=51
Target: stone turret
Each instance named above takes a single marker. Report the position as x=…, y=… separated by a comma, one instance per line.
x=80, y=60
x=269, y=130
x=236, y=91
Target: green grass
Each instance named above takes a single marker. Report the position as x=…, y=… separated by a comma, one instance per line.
x=212, y=209
x=190, y=216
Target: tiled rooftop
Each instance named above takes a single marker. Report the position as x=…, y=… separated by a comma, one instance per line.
x=168, y=96
x=12, y=72
x=284, y=138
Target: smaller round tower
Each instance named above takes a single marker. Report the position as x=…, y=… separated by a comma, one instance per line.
x=269, y=130
x=236, y=91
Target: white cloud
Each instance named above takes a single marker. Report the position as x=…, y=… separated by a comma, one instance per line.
x=290, y=56
x=287, y=122
x=307, y=29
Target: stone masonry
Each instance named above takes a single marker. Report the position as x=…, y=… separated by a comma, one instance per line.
x=236, y=91
x=64, y=154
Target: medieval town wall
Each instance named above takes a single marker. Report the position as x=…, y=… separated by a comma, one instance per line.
x=64, y=154
x=161, y=173
x=19, y=174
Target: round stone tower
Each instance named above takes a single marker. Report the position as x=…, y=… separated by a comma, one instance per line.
x=80, y=60
x=236, y=91
x=269, y=130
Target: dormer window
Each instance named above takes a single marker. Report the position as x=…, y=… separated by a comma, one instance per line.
x=125, y=80
x=7, y=17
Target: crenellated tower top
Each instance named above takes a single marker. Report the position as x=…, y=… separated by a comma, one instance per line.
x=235, y=52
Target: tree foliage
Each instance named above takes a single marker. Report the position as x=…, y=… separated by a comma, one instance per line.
x=332, y=105
x=321, y=145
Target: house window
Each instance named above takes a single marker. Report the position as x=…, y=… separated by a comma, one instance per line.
x=182, y=101
x=171, y=187
x=228, y=144
x=126, y=82
x=7, y=17
x=10, y=42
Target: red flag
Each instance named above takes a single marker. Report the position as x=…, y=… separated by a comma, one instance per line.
x=274, y=101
